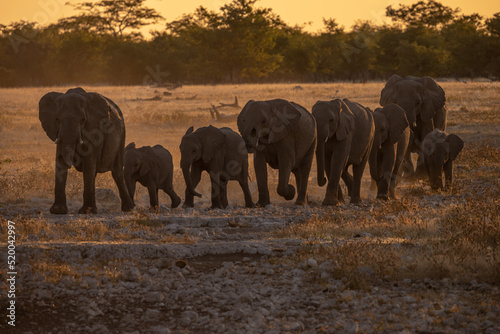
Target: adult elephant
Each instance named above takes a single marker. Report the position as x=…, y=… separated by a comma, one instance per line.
x=392, y=135
x=423, y=100
x=220, y=152
x=281, y=134
x=345, y=137
x=89, y=132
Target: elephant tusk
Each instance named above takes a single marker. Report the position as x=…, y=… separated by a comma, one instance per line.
x=380, y=147
x=57, y=140
x=414, y=124
x=81, y=141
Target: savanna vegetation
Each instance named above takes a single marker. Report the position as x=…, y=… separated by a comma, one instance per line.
x=243, y=42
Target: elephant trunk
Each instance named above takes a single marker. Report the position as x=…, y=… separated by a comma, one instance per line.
x=320, y=159
x=186, y=172
x=65, y=155
x=410, y=114
x=67, y=141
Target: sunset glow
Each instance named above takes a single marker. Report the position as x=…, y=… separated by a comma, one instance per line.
x=309, y=13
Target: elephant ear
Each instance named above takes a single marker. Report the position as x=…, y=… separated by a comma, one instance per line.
x=433, y=99
x=213, y=142
x=149, y=160
x=346, y=121
x=241, y=116
x=130, y=146
x=389, y=90
x=100, y=107
x=47, y=114
x=189, y=131
x=456, y=145
x=397, y=121
x=285, y=117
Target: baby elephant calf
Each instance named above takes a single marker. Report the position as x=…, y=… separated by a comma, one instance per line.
x=153, y=168
x=439, y=150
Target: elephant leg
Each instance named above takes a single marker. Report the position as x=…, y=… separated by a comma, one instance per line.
x=243, y=181
x=420, y=171
x=395, y=177
x=195, y=178
x=223, y=193
x=408, y=168
x=298, y=181
x=153, y=195
x=357, y=171
x=126, y=197
x=285, y=190
x=348, y=180
x=169, y=190
x=89, y=174
x=260, y=165
x=216, y=190
x=59, y=206
x=448, y=174
x=302, y=177
x=338, y=162
x=387, y=165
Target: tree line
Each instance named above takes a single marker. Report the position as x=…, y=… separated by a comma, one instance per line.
x=243, y=42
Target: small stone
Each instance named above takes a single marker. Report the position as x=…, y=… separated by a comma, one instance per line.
x=159, y=330
x=296, y=326
x=152, y=314
x=246, y=297
x=312, y=263
x=409, y=300
x=154, y=297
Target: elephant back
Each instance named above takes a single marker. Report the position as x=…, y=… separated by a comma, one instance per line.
x=234, y=142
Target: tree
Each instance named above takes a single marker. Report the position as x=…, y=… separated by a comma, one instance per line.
x=493, y=25
x=111, y=17
x=431, y=13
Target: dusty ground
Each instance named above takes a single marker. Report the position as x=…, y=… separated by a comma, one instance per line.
x=428, y=262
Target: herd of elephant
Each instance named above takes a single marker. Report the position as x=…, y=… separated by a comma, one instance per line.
x=89, y=131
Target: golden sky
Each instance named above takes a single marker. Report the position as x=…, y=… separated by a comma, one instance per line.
x=291, y=11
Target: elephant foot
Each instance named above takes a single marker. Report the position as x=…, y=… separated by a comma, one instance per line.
x=383, y=197
x=330, y=202
x=176, y=201
x=249, y=205
x=263, y=204
x=355, y=200
x=128, y=207
x=290, y=193
x=59, y=209
x=87, y=210
x=187, y=205
x=301, y=202
x=213, y=207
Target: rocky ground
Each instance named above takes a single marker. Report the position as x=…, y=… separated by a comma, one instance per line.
x=202, y=271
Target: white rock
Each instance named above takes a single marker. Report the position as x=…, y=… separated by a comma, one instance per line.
x=312, y=263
